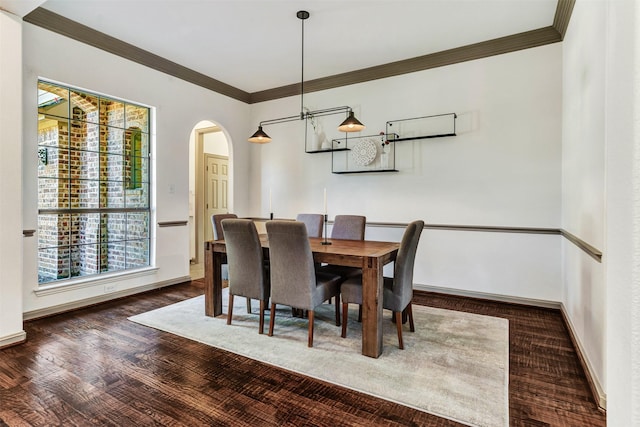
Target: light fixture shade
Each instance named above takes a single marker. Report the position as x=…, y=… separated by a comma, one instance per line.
x=351, y=124
x=260, y=137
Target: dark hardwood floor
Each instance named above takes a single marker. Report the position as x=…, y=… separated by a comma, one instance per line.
x=94, y=367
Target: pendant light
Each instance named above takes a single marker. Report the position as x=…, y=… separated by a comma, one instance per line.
x=260, y=137
x=350, y=124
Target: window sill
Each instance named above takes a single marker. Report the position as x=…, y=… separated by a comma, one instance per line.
x=91, y=281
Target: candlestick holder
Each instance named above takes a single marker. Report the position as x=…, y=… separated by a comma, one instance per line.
x=326, y=219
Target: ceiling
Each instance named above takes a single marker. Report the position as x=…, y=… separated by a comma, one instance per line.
x=255, y=45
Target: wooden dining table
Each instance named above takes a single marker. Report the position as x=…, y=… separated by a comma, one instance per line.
x=371, y=256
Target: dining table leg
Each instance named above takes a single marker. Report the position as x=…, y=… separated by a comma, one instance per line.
x=212, y=281
x=372, y=283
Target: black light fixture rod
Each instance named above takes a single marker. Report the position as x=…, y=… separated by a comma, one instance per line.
x=302, y=72
x=316, y=113
x=302, y=15
x=280, y=120
x=350, y=124
x=330, y=111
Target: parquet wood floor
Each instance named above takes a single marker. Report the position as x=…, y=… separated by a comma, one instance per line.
x=94, y=367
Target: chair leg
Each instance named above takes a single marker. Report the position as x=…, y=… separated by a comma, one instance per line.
x=337, y=311
x=230, y=309
x=272, y=316
x=248, y=305
x=398, y=316
x=262, y=306
x=360, y=313
x=345, y=319
x=410, y=314
x=311, y=315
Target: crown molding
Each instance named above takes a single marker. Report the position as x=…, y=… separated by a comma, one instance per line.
x=59, y=24
x=564, y=9
x=529, y=39
x=525, y=40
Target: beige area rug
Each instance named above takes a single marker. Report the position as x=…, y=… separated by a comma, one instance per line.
x=455, y=365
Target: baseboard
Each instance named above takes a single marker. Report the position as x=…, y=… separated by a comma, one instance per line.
x=13, y=339
x=50, y=311
x=489, y=296
x=597, y=391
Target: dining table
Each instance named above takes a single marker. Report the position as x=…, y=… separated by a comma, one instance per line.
x=370, y=256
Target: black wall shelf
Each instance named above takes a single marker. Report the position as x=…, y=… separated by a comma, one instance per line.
x=330, y=150
x=370, y=153
x=367, y=171
x=413, y=138
x=425, y=127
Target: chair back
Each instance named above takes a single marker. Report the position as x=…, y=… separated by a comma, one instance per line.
x=245, y=259
x=313, y=223
x=403, y=273
x=216, y=222
x=350, y=227
x=293, y=278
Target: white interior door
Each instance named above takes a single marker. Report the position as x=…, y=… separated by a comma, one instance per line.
x=216, y=189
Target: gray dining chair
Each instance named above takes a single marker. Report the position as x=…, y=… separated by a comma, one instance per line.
x=216, y=222
x=349, y=227
x=313, y=222
x=218, y=234
x=294, y=281
x=247, y=276
x=397, y=291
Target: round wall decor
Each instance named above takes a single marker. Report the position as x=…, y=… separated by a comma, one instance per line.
x=364, y=152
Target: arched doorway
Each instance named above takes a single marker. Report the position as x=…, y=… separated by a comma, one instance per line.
x=210, y=186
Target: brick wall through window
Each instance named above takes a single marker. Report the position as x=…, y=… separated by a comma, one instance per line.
x=93, y=184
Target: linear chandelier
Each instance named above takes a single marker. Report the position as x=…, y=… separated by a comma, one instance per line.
x=350, y=124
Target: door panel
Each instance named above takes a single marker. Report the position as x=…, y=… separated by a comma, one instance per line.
x=216, y=189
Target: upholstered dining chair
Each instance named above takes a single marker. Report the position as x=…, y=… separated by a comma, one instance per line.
x=397, y=291
x=218, y=234
x=216, y=222
x=247, y=276
x=349, y=227
x=294, y=281
x=313, y=222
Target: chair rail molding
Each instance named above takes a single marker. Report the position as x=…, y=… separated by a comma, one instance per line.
x=590, y=250
x=172, y=223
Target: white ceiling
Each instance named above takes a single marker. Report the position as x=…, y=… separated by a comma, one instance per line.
x=256, y=44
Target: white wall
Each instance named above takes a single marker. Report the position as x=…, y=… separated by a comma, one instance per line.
x=503, y=169
x=622, y=240
x=583, y=178
x=178, y=107
x=10, y=180
x=215, y=143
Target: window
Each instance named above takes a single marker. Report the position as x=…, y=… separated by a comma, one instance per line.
x=93, y=184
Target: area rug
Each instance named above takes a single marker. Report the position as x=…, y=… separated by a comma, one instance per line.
x=454, y=366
